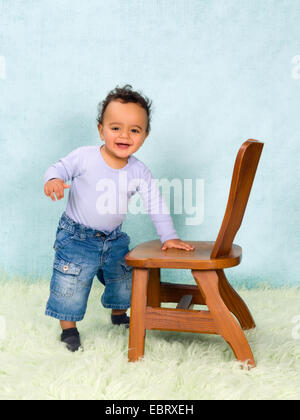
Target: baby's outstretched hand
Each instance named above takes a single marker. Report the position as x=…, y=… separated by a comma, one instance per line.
x=56, y=186
x=177, y=243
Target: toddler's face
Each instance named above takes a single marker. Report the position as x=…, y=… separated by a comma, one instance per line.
x=124, y=128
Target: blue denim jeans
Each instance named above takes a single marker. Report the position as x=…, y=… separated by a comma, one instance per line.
x=81, y=254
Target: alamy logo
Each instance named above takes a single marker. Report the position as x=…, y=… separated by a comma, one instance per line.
x=120, y=197
x=296, y=329
x=2, y=68
x=2, y=328
x=296, y=67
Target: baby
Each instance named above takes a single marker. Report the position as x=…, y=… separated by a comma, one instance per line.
x=89, y=240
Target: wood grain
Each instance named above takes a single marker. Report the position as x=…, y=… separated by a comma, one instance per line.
x=137, y=329
x=207, y=263
x=172, y=319
x=242, y=179
x=228, y=328
x=150, y=255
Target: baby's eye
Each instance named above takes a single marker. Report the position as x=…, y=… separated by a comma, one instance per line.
x=134, y=130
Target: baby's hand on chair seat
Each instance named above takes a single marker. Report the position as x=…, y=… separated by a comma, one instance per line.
x=177, y=243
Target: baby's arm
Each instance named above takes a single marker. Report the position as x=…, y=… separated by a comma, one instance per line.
x=159, y=214
x=57, y=174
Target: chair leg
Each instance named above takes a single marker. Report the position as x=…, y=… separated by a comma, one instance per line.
x=228, y=328
x=153, y=295
x=235, y=303
x=137, y=329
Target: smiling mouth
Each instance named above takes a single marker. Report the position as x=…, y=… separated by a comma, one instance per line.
x=123, y=145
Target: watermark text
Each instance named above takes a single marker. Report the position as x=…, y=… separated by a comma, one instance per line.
x=2, y=328
x=296, y=67
x=2, y=68
x=154, y=197
x=296, y=329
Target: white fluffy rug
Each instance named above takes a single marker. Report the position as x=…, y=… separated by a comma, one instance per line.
x=35, y=365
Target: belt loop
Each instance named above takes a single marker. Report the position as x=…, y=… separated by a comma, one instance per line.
x=82, y=233
x=116, y=232
x=119, y=228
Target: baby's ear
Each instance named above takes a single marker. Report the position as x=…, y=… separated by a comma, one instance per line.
x=100, y=129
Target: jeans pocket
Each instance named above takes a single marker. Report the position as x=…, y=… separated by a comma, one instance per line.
x=124, y=238
x=127, y=269
x=63, y=237
x=64, y=279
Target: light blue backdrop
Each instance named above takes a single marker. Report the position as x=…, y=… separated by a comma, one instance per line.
x=218, y=72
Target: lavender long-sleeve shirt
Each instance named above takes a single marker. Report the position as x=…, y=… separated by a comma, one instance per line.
x=99, y=195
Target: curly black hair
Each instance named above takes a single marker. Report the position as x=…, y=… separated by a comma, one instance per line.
x=125, y=94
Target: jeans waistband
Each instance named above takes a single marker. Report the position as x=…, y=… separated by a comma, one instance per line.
x=69, y=224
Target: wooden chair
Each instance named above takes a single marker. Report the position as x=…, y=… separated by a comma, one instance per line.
x=207, y=263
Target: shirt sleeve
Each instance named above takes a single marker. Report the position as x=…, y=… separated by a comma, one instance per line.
x=67, y=168
x=156, y=207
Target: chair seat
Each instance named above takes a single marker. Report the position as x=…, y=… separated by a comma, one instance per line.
x=150, y=255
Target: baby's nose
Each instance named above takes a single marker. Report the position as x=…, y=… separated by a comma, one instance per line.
x=124, y=133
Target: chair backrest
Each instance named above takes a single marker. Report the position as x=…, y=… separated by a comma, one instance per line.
x=242, y=179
